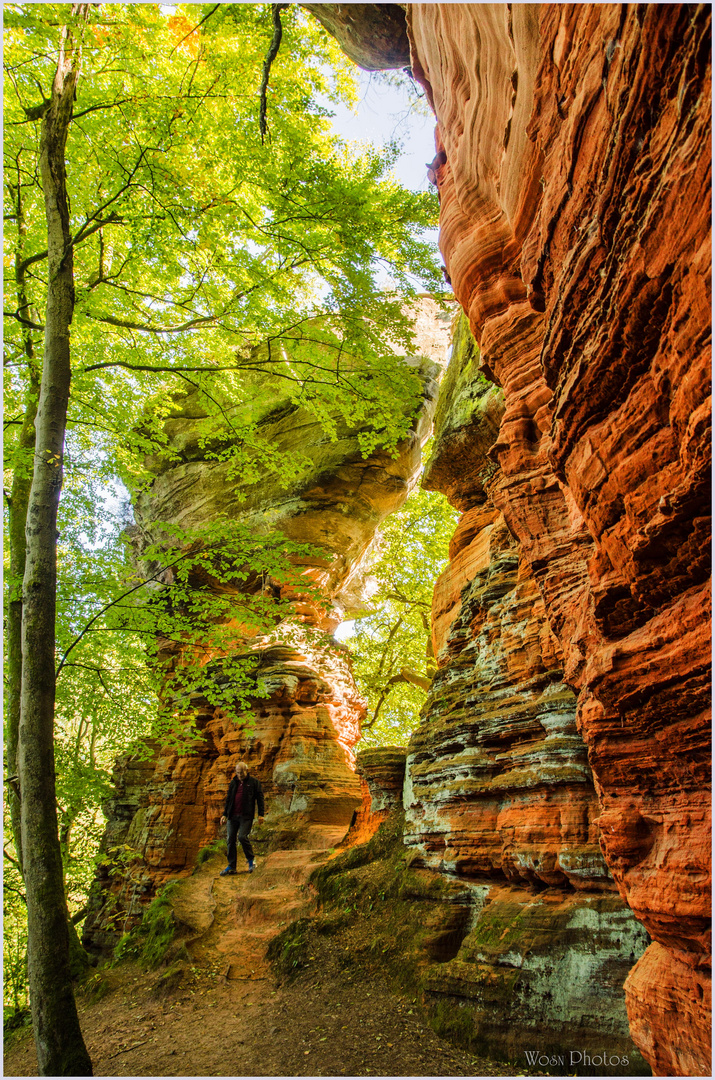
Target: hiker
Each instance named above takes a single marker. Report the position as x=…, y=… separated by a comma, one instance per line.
x=244, y=793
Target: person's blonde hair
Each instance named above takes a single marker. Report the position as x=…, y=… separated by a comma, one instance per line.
x=241, y=765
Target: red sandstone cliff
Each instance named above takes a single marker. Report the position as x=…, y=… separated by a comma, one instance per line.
x=573, y=165
x=499, y=793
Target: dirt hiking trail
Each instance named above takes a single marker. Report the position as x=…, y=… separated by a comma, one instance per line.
x=230, y=1016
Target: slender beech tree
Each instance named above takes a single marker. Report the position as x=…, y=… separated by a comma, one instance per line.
x=17, y=501
x=58, y=1037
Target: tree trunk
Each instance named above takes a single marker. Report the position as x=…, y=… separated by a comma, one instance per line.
x=17, y=518
x=58, y=1037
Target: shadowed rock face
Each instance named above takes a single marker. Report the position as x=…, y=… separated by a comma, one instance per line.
x=573, y=165
x=373, y=35
x=301, y=736
x=539, y=974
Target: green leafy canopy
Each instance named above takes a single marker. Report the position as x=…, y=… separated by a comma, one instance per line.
x=392, y=650
x=212, y=267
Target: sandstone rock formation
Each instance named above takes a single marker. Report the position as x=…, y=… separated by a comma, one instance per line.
x=373, y=35
x=499, y=792
x=381, y=770
x=300, y=736
x=164, y=810
x=541, y=975
x=573, y=165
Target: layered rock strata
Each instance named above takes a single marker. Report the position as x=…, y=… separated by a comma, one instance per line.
x=573, y=166
x=164, y=809
x=304, y=721
x=499, y=792
x=381, y=770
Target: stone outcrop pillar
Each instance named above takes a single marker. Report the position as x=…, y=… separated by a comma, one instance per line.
x=381, y=770
x=299, y=737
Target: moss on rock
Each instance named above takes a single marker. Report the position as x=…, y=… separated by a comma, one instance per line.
x=150, y=941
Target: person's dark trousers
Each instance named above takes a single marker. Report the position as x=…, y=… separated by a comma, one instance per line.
x=238, y=829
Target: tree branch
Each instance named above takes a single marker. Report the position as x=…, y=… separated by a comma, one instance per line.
x=97, y=671
x=127, y=324
x=390, y=636
x=8, y=856
x=405, y=675
x=112, y=603
x=406, y=600
x=18, y=891
x=94, y=108
x=83, y=233
x=270, y=57
x=23, y=322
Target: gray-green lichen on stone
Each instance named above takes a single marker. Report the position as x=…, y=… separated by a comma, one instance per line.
x=467, y=417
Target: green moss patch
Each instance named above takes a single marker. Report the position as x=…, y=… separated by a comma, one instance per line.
x=289, y=951
x=379, y=910
x=150, y=941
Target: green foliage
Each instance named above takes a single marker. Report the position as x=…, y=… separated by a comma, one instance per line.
x=14, y=928
x=219, y=279
x=237, y=259
x=394, y=637
x=205, y=853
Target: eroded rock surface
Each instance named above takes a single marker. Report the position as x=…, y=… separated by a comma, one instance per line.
x=499, y=793
x=542, y=974
x=573, y=165
x=373, y=35
x=381, y=770
x=164, y=810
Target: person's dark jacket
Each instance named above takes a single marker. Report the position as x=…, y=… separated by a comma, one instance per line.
x=252, y=796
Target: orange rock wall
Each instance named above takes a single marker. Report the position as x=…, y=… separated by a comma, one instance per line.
x=381, y=770
x=165, y=809
x=573, y=166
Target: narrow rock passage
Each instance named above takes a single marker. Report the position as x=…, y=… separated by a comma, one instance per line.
x=230, y=1017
